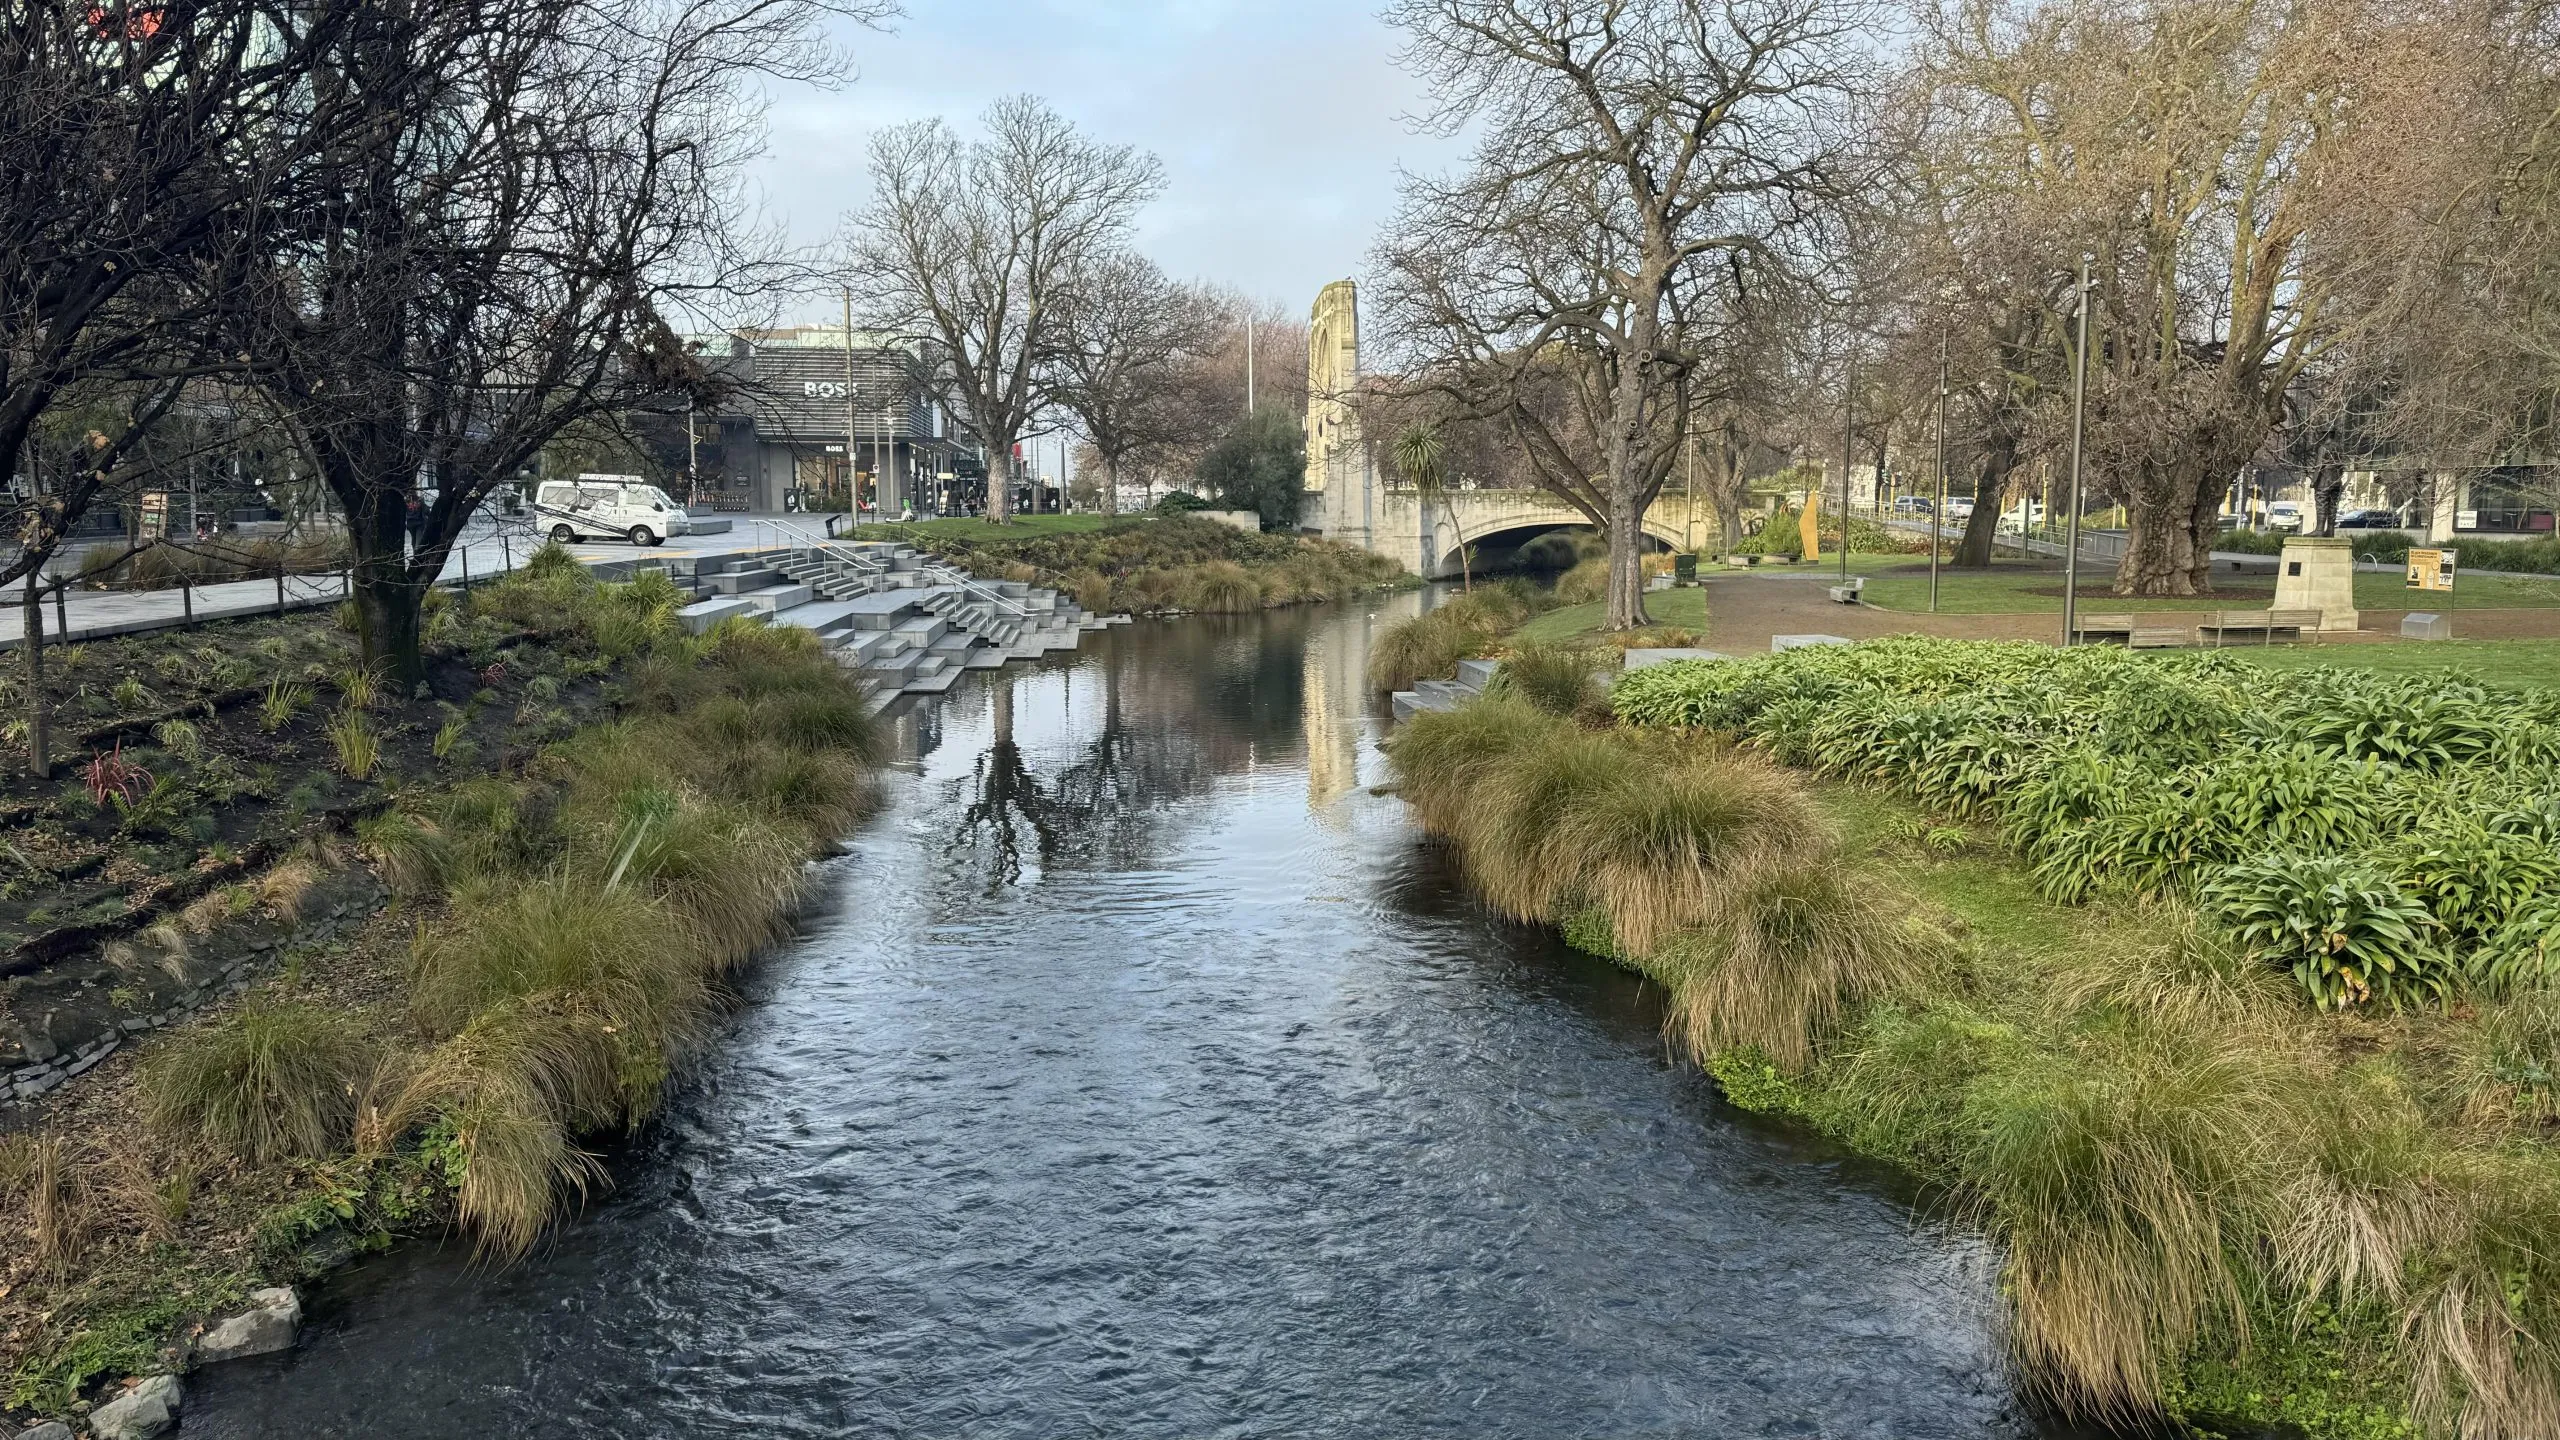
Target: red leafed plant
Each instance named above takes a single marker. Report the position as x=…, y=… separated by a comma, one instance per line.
x=114, y=775
x=496, y=672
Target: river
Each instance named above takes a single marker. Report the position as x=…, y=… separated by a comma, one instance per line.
x=1141, y=1074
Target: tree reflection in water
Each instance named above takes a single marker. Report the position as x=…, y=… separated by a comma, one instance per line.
x=1144, y=748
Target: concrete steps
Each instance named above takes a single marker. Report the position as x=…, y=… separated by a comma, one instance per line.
x=703, y=614
x=1432, y=696
x=907, y=622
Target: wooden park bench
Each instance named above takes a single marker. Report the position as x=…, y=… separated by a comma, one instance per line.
x=2103, y=626
x=2162, y=633
x=2263, y=623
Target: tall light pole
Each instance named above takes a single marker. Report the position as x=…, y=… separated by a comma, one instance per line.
x=852, y=419
x=2079, y=418
x=1848, y=458
x=1938, y=502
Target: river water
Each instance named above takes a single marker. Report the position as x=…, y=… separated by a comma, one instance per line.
x=1140, y=1074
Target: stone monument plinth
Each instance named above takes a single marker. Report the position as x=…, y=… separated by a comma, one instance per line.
x=2319, y=574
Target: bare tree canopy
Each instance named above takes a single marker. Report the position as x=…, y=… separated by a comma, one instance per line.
x=1646, y=167
x=133, y=145
x=509, y=196
x=136, y=145
x=1126, y=334
x=974, y=248
x=2217, y=160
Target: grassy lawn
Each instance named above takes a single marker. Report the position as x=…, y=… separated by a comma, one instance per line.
x=1024, y=527
x=2035, y=587
x=2494, y=662
x=1684, y=608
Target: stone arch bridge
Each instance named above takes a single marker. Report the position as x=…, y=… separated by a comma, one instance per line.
x=1425, y=537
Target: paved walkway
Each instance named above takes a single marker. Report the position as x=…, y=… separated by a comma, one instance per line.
x=96, y=614
x=1744, y=611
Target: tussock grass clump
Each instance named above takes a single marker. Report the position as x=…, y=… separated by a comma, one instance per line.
x=1426, y=647
x=270, y=1080
x=595, y=906
x=1785, y=952
x=1558, y=679
x=1587, y=581
x=1443, y=760
x=359, y=749
x=407, y=851
x=1709, y=866
x=1430, y=645
x=1222, y=587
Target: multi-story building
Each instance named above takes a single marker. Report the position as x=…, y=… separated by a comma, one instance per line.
x=815, y=416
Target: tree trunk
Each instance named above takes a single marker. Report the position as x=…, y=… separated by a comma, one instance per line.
x=39, y=711
x=1111, y=486
x=1626, y=567
x=1000, y=484
x=387, y=621
x=1998, y=461
x=2169, y=537
x=387, y=599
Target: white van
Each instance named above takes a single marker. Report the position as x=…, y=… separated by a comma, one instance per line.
x=624, y=506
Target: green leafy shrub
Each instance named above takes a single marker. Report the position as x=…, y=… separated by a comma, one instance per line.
x=1781, y=532
x=2109, y=771
x=2345, y=931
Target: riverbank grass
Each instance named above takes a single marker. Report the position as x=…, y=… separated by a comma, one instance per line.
x=1681, y=609
x=1998, y=929
x=562, y=923
x=1157, y=564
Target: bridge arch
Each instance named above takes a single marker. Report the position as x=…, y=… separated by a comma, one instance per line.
x=1448, y=537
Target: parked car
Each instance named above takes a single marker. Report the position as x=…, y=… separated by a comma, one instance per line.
x=2285, y=515
x=2369, y=520
x=1911, y=504
x=2026, y=515
x=624, y=506
x=1959, y=508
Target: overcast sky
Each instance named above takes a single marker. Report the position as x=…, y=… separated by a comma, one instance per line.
x=1280, y=122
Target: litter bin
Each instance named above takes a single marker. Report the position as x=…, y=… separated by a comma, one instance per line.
x=1684, y=569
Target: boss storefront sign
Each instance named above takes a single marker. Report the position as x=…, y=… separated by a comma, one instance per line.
x=800, y=395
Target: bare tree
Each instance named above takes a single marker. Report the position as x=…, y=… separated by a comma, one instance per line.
x=1641, y=160
x=2216, y=159
x=134, y=140
x=2460, y=364
x=1126, y=333
x=973, y=246
x=532, y=185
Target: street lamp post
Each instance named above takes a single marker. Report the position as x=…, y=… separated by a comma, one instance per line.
x=2079, y=418
x=1848, y=459
x=852, y=420
x=1938, y=502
